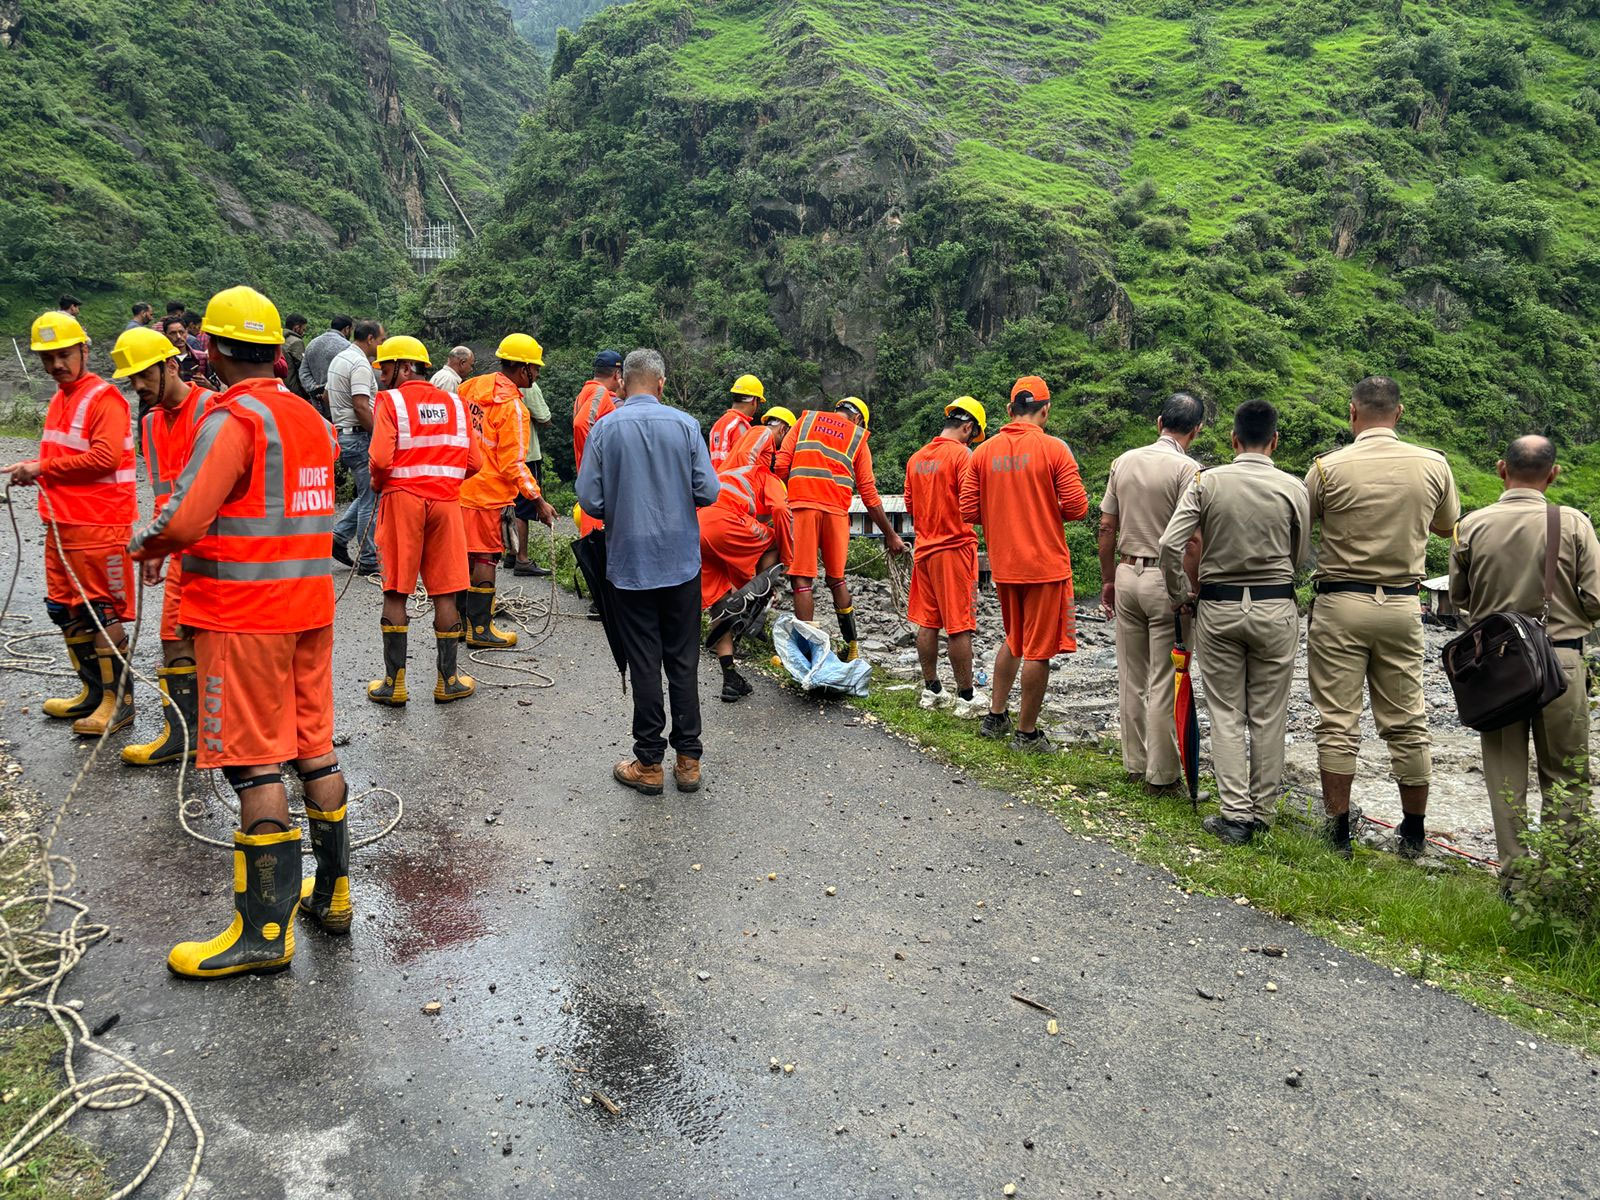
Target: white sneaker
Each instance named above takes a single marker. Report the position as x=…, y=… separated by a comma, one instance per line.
x=974, y=709
x=940, y=699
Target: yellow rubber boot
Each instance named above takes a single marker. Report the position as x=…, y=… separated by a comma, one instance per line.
x=391, y=689
x=481, y=631
x=115, y=710
x=451, y=685
x=325, y=898
x=180, y=686
x=266, y=890
x=80, y=651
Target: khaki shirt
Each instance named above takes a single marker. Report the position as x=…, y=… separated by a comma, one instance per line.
x=1145, y=486
x=1377, y=498
x=1254, y=521
x=1497, y=564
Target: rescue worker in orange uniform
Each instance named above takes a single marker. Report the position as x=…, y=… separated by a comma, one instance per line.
x=500, y=421
x=594, y=400
x=172, y=412
x=746, y=532
x=253, y=514
x=748, y=394
x=85, y=473
x=760, y=443
x=422, y=449
x=824, y=460
x=1020, y=486
x=944, y=566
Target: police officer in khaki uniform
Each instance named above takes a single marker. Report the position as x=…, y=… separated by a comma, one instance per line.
x=1497, y=565
x=1377, y=499
x=1141, y=495
x=1255, y=528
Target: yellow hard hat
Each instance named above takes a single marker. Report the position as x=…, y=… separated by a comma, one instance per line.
x=860, y=405
x=520, y=347
x=402, y=347
x=966, y=404
x=781, y=413
x=748, y=385
x=242, y=314
x=139, y=348
x=56, y=330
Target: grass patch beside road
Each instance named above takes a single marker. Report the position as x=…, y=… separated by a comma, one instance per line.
x=1445, y=927
x=63, y=1168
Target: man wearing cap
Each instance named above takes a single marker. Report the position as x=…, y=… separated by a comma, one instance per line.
x=825, y=460
x=594, y=400
x=494, y=401
x=1141, y=495
x=1021, y=486
x=944, y=566
x=85, y=474
x=748, y=394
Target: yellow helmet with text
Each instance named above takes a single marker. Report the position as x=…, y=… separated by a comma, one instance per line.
x=242, y=314
x=56, y=330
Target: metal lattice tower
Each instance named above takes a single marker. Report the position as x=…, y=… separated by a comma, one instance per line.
x=431, y=243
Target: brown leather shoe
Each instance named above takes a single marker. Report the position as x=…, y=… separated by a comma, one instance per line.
x=645, y=779
x=686, y=774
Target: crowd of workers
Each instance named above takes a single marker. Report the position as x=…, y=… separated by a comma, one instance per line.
x=243, y=529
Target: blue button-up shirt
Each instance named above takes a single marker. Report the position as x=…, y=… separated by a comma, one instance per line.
x=645, y=470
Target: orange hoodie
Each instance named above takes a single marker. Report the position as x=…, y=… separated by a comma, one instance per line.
x=501, y=423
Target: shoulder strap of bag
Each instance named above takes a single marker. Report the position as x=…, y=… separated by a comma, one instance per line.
x=1552, y=546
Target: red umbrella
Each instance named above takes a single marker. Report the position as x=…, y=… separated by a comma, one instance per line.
x=1184, y=716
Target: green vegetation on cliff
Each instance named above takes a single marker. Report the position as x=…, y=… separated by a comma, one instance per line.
x=1129, y=196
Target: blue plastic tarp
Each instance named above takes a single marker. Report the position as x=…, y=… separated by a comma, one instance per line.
x=806, y=652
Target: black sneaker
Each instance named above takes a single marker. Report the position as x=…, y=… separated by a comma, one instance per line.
x=594, y=612
x=1233, y=833
x=529, y=568
x=995, y=726
x=341, y=552
x=1411, y=845
x=735, y=687
x=1033, y=743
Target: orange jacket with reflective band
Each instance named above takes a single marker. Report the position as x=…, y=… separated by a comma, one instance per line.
x=756, y=444
x=86, y=456
x=501, y=422
x=725, y=434
x=825, y=460
x=168, y=435
x=594, y=401
x=431, y=447
x=264, y=562
x=757, y=494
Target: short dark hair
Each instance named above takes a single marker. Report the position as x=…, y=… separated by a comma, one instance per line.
x=292, y=320
x=191, y=318
x=1182, y=413
x=956, y=420
x=1377, y=396
x=176, y=308
x=250, y=352
x=140, y=307
x=366, y=329
x=1255, y=422
x=1530, y=456
x=67, y=300
x=340, y=323
x=171, y=319
x=1025, y=404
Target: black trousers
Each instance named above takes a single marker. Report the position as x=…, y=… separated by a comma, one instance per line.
x=661, y=629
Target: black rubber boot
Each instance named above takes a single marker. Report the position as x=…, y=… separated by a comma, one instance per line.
x=181, y=688
x=80, y=652
x=451, y=685
x=391, y=689
x=325, y=898
x=481, y=631
x=115, y=710
x=735, y=687
x=266, y=890
x=1337, y=833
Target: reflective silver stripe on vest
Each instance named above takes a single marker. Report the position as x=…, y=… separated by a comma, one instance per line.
x=428, y=470
x=204, y=438
x=594, y=404
x=402, y=418
x=257, y=572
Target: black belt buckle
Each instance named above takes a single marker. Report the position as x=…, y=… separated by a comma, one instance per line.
x=1326, y=587
x=1235, y=591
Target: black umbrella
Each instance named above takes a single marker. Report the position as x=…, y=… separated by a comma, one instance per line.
x=590, y=552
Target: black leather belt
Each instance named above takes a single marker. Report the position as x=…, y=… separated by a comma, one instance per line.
x=1134, y=560
x=1258, y=591
x=1568, y=644
x=1324, y=586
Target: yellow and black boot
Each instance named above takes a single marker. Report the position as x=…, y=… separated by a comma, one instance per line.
x=80, y=650
x=266, y=891
x=391, y=689
x=325, y=898
x=180, y=686
x=847, y=629
x=481, y=631
x=115, y=710
x=451, y=685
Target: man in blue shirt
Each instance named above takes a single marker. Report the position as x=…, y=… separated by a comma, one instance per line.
x=645, y=471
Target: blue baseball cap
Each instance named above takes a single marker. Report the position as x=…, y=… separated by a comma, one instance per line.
x=607, y=360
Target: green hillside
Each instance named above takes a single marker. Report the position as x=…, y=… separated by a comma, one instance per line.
x=164, y=149
x=541, y=20
x=908, y=201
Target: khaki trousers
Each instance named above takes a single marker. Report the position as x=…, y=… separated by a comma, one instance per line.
x=1355, y=639
x=1246, y=658
x=1561, y=748
x=1144, y=674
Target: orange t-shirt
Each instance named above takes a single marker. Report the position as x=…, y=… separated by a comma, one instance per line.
x=1022, y=484
x=933, y=496
x=725, y=434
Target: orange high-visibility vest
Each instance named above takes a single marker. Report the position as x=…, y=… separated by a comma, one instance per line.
x=266, y=563
x=594, y=401
x=753, y=445
x=108, y=499
x=725, y=434
x=168, y=436
x=432, y=440
x=823, y=471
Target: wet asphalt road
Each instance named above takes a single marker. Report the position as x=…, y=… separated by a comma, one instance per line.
x=574, y=945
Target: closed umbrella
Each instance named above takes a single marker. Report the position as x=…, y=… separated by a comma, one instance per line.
x=1184, y=717
x=590, y=553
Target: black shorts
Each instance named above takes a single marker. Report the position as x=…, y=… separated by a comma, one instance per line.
x=525, y=509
